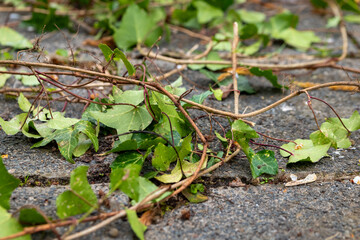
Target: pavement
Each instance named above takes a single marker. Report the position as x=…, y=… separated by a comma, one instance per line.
x=328, y=208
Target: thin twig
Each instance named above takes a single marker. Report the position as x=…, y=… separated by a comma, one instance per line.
x=234, y=66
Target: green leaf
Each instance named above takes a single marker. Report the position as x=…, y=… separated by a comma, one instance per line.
x=135, y=223
x=304, y=150
x=189, y=168
x=87, y=128
x=124, y=146
x=129, y=67
x=62, y=122
x=24, y=103
x=242, y=133
x=172, y=177
x=10, y=226
x=218, y=93
x=352, y=123
x=336, y=134
x=214, y=56
x=248, y=31
x=83, y=145
x=30, y=216
x=68, y=138
x=28, y=80
x=263, y=162
x=333, y=22
x=244, y=85
x=134, y=27
x=267, y=74
x=298, y=39
x=8, y=184
x=126, y=159
x=282, y=21
x=106, y=50
x=163, y=156
x=194, y=197
x=11, y=38
x=134, y=97
x=195, y=187
x=175, y=87
x=62, y=52
x=69, y=204
x=13, y=126
x=178, y=123
x=206, y=12
x=3, y=76
x=251, y=16
x=200, y=98
x=131, y=119
x=352, y=18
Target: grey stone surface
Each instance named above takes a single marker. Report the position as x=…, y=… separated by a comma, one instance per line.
x=316, y=211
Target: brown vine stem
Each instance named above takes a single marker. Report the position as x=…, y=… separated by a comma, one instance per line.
x=234, y=66
x=337, y=13
x=123, y=80
x=197, y=130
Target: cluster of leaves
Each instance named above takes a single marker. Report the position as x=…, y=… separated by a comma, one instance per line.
x=332, y=133
x=79, y=199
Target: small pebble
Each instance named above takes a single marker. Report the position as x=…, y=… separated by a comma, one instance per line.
x=113, y=232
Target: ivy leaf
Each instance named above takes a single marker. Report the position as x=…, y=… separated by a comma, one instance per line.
x=118, y=55
x=24, y=103
x=248, y=31
x=263, y=162
x=131, y=118
x=61, y=122
x=352, y=123
x=68, y=138
x=178, y=123
x=199, y=98
x=69, y=203
x=282, y=21
x=106, y=50
x=336, y=134
x=267, y=74
x=218, y=93
x=194, y=197
x=30, y=216
x=163, y=156
x=83, y=145
x=3, y=76
x=137, y=226
x=134, y=27
x=129, y=182
x=214, y=56
x=189, y=168
x=304, y=150
x=251, y=16
x=172, y=177
x=299, y=39
x=126, y=159
x=333, y=22
x=11, y=38
x=13, y=126
x=28, y=80
x=8, y=184
x=10, y=225
x=206, y=12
